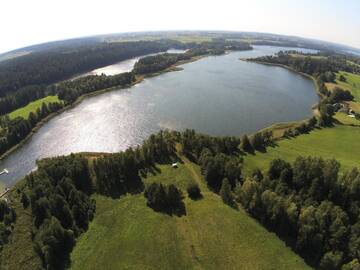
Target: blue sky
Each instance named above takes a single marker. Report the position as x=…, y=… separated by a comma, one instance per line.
x=27, y=22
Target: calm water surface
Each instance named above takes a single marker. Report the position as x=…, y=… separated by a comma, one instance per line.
x=120, y=67
x=218, y=95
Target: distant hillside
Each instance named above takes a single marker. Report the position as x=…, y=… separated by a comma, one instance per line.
x=181, y=35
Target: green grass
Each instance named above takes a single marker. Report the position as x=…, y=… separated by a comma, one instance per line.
x=32, y=107
x=180, y=176
x=352, y=84
x=339, y=142
x=19, y=252
x=344, y=119
x=126, y=234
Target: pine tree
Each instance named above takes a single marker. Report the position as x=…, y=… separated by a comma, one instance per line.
x=245, y=144
x=225, y=193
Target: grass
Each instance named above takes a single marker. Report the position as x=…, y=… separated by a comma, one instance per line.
x=32, y=107
x=180, y=176
x=352, y=84
x=19, y=252
x=278, y=129
x=126, y=234
x=339, y=142
x=344, y=119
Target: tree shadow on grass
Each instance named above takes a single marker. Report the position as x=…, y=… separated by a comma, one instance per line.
x=178, y=210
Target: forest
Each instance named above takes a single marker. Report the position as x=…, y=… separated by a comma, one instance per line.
x=151, y=64
x=308, y=204
x=311, y=207
x=60, y=65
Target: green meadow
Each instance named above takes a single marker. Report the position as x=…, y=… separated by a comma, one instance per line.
x=340, y=142
x=126, y=234
x=32, y=107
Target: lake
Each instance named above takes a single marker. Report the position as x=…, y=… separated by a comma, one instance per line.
x=122, y=66
x=217, y=95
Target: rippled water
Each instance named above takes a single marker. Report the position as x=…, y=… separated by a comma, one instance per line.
x=218, y=95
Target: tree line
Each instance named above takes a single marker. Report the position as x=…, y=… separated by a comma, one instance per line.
x=50, y=66
x=13, y=131
x=155, y=63
x=309, y=205
x=323, y=70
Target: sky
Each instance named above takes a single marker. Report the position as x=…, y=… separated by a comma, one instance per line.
x=28, y=22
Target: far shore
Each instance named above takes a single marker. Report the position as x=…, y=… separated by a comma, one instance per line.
x=175, y=67
x=138, y=79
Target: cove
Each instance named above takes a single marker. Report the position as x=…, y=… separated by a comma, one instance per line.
x=217, y=95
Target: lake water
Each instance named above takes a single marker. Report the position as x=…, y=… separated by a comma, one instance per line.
x=218, y=95
x=120, y=67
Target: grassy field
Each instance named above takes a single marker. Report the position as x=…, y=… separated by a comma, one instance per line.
x=179, y=37
x=352, y=84
x=339, y=142
x=32, y=107
x=344, y=119
x=19, y=253
x=180, y=176
x=126, y=234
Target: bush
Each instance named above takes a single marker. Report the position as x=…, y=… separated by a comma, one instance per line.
x=342, y=78
x=226, y=194
x=194, y=191
x=167, y=199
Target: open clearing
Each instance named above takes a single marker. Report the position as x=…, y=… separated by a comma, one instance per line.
x=352, y=84
x=126, y=234
x=32, y=107
x=339, y=142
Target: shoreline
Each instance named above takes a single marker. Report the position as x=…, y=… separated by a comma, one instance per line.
x=138, y=79
x=314, y=108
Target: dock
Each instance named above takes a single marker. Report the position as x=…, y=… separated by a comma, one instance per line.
x=4, y=171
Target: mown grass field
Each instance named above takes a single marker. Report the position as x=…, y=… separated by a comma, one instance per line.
x=126, y=234
x=32, y=107
x=345, y=119
x=167, y=175
x=339, y=142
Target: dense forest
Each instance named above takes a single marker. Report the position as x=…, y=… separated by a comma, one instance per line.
x=311, y=206
x=30, y=69
x=308, y=203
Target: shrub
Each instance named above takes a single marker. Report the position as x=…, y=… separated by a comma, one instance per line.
x=194, y=191
x=226, y=194
x=167, y=199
